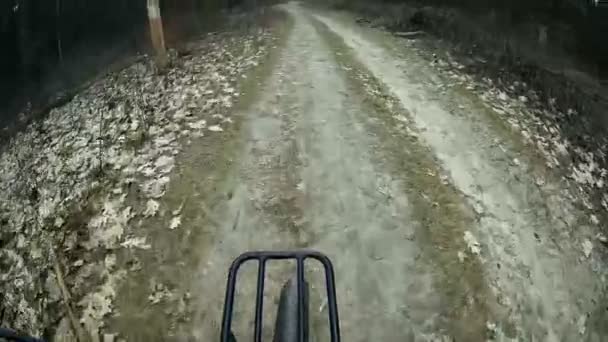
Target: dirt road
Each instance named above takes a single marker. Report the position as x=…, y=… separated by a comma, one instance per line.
x=310, y=177
x=442, y=225
x=443, y=221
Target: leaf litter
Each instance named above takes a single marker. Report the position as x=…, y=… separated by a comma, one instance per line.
x=564, y=137
x=65, y=179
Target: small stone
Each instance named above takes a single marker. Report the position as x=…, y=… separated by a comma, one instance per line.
x=164, y=164
x=411, y=236
x=461, y=256
x=155, y=188
x=594, y=219
x=110, y=261
x=587, y=248
x=160, y=292
x=216, y=128
x=472, y=243
x=491, y=329
x=59, y=222
x=151, y=208
x=581, y=324
x=175, y=222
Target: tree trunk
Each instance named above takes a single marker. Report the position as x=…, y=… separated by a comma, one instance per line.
x=24, y=37
x=156, y=32
x=58, y=22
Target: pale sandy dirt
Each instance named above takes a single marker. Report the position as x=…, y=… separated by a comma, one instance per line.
x=308, y=179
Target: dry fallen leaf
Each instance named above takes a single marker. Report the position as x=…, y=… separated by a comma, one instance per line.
x=175, y=222
x=151, y=208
